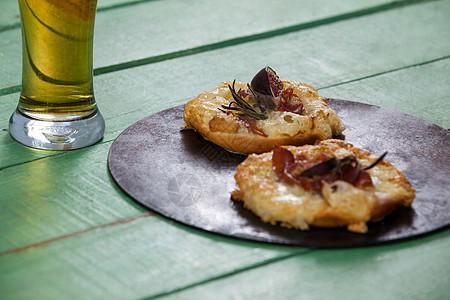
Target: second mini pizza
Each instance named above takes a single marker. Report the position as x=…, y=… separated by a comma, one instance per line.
x=329, y=184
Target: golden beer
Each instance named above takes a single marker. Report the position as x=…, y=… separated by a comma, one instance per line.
x=57, y=79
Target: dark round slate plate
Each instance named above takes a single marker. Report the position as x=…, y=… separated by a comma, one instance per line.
x=188, y=179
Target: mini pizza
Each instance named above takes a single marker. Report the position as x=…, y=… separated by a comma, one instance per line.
x=329, y=184
x=268, y=112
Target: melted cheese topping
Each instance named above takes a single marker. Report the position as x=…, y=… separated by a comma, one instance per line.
x=282, y=123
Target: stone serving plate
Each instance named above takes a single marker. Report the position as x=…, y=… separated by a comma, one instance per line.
x=178, y=174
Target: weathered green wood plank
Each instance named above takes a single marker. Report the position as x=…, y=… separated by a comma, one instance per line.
x=412, y=270
x=56, y=205
x=127, y=261
x=59, y=195
x=158, y=27
x=147, y=89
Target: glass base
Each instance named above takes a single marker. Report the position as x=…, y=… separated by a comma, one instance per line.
x=61, y=135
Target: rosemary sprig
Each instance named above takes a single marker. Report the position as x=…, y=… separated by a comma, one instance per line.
x=241, y=107
x=376, y=162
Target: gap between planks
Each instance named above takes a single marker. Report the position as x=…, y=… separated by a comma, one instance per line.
x=387, y=72
x=99, y=9
x=238, y=40
x=77, y=233
x=302, y=251
x=232, y=273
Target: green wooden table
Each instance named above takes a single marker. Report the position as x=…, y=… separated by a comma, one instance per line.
x=68, y=232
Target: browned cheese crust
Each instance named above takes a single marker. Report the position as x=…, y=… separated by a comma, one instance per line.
x=341, y=204
x=317, y=122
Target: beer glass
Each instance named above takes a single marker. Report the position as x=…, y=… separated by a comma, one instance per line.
x=57, y=108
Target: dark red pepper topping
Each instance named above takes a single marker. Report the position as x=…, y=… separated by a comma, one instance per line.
x=250, y=123
x=289, y=103
x=297, y=170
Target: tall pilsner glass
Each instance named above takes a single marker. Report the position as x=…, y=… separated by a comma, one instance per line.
x=57, y=108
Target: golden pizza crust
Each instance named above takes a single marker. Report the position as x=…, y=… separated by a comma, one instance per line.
x=317, y=122
x=341, y=203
